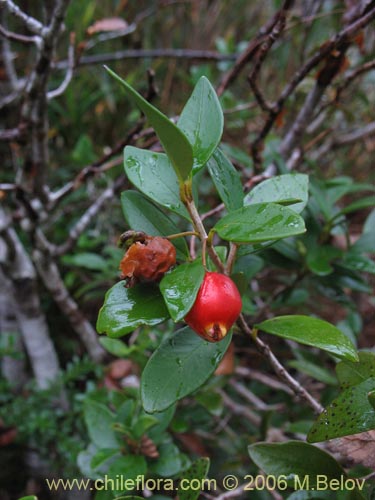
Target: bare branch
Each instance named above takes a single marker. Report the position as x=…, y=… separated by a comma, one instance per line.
x=30, y=22
x=69, y=72
x=10, y=134
x=83, y=222
x=51, y=278
x=202, y=55
x=339, y=42
x=31, y=320
x=263, y=35
x=355, y=135
x=263, y=378
x=251, y=398
x=17, y=37
x=279, y=369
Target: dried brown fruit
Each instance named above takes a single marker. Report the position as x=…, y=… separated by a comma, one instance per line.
x=148, y=259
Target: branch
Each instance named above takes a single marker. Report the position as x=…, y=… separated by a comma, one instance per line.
x=279, y=369
x=263, y=378
x=82, y=223
x=30, y=22
x=203, y=55
x=17, y=37
x=69, y=72
x=355, y=135
x=10, y=134
x=345, y=139
x=251, y=49
x=30, y=317
x=50, y=275
x=340, y=41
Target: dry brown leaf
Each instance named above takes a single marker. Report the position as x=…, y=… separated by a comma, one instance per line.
x=359, y=448
x=120, y=368
x=226, y=365
x=107, y=24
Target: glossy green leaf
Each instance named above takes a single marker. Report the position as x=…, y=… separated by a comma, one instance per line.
x=281, y=188
x=180, y=287
x=349, y=373
x=313, y=332
x=29, y=497
x=142, y=215
x=153, y=174
x=260, y=222
x=295, y=460
x=197, y=472
x=202, y=122
x=181, y=364
x=350, y=413
x=174, y=141
x=125, y=309
x=227, y=180
x=99, y=420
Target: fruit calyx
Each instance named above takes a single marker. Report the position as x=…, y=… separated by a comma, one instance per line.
x=147, y=258
x=216, y=307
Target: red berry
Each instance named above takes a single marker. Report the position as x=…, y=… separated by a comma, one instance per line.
x=216, y=308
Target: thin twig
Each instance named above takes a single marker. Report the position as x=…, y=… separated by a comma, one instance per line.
x=265, y=379
x=252, y=398
x=69, y=72
x=17, y=37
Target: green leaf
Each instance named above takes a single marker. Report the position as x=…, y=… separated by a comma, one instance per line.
x=365, y=202
x=350, y=373
x=197, y=471
x=180, y=287
x=181, y=364
x=142, y=215
x=357, y=262
x=313, y=332
x=227, y=180
x=125, y=309
x=86, y=260
x=169, y=461
x=99, y=420
x=260, y=222
x=297, y=461
x=143, y=424
x=153, y=174
x=116, y=347
x=174, y=141
x=319, y=259
x=103, y=455
x=126, y=470
x=281, y=188
x=29, y=497
x=202, y=122
x=350, y=413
